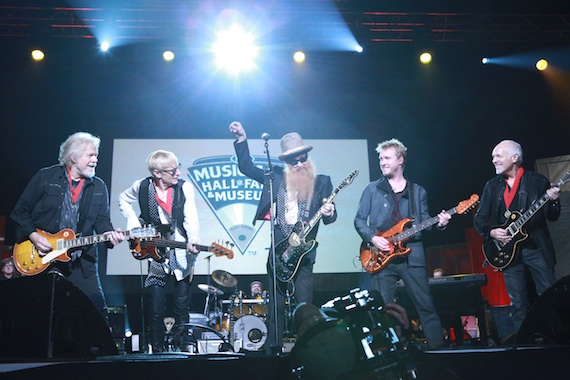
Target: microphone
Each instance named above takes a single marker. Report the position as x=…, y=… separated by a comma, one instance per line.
x=265, y=136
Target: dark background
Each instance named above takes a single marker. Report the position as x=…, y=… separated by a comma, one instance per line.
x=450, y=114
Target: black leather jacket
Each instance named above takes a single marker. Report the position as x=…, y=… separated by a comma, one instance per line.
x=532, y=186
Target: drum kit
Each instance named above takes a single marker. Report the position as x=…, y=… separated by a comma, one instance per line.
x=239, y=318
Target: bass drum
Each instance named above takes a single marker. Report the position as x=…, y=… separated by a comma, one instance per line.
x=251, y=330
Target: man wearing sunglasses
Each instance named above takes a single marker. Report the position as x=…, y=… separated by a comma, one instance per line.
x=165, y=200
x=299, y=194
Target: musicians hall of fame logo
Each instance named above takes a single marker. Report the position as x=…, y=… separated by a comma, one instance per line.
x=232, y=197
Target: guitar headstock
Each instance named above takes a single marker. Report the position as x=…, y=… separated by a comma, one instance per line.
x=565, y=178
x=220, y=250
x=348, y=180
x=144, y=232
x=467, y=204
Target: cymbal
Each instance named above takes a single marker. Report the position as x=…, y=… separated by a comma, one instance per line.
x=210, y=289
x=224, y=278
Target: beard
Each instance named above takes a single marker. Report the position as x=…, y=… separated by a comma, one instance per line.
x=301, y=181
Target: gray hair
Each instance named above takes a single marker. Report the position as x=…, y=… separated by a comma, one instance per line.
x=513, y=148
x=75, y=145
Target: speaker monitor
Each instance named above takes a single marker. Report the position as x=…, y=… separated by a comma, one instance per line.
x=46, y=316
x=548, y=319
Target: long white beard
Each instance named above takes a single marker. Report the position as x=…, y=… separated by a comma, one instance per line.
x=303, y=182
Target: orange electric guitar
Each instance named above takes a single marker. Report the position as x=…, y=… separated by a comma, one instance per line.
x=374, y=260
x=145, y=248
x=29, y=262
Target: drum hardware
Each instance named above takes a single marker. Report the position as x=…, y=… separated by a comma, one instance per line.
x=287, y=333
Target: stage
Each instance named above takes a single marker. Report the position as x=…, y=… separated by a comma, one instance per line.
x=523, y=362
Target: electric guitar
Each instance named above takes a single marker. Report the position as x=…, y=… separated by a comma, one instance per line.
x=374, y=260
x=144, y=248
x=29, y=262
x=500, y=255
x=290, y=251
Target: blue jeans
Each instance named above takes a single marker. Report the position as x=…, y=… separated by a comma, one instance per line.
x=516, y=281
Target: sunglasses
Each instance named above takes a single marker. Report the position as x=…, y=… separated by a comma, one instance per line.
x=172, y=172
x=295, y=161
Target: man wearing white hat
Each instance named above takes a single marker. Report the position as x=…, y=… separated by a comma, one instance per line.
x=298, y=193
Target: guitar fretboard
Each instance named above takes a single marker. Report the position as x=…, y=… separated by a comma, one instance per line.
x=86, y=240
x=418, y=227
x=514, y=227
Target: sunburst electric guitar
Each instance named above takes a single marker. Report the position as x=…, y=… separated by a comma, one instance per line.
x=374, y=260
x=289, y=252
x=500, y=255
x=29, y=262
x=145, y=248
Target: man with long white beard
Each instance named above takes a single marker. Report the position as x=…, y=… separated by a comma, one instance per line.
x=299, y=193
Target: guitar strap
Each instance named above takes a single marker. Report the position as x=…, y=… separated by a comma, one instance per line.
x=412, y=201
x=523, y=194
x=84, y=205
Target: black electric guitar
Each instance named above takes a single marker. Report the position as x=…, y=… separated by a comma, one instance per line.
x=500, y=255
x=151, y=248
x=29, y=262
x=290, y=252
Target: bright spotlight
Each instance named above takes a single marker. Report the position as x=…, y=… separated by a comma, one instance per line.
x=128, y=333
x=235, y=50
x=485, y=60
x=168, y=56
x=105, y=45
x=541, y=64
x=37, y=55
x=359, y=49
x=299, y=57
x=425, y=58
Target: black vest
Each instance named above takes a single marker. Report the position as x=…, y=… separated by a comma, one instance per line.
x=177, y=206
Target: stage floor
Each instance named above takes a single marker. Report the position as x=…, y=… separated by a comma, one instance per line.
x=521, y=362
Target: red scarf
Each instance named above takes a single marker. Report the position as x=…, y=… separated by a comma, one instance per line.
x=75, y=190
x=168, y=205
x=509, y=193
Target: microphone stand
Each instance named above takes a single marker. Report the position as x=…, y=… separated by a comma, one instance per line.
x=269, y=173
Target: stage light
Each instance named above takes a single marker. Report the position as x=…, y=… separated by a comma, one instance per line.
x=168, y=56
x=359, y=49
x=105, y=45
x=37, y=55
x=128, y=333
x=541, y=64
x=299, y=57
x=485, y=60
x=235, y=50
x=425, y=58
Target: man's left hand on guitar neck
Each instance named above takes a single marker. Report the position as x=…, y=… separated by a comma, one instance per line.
x=327, y=209
x=115, y=237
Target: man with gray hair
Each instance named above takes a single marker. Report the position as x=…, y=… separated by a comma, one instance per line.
x=515, y=189
x=69, y=195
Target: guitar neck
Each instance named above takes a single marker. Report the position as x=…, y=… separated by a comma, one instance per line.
x=318, y=215
x=165, y=243
x=533, y=209
x=88, y=240
x=418, y=227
